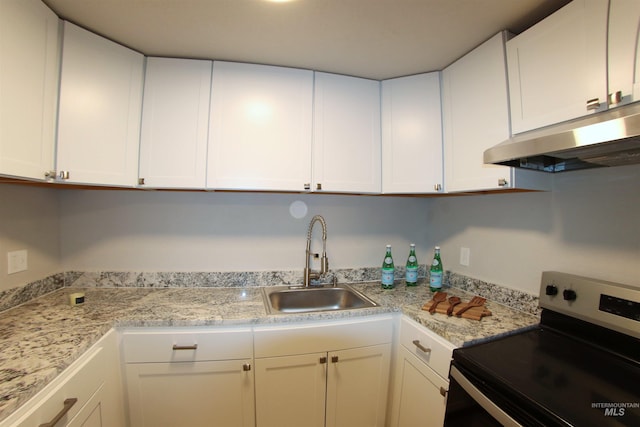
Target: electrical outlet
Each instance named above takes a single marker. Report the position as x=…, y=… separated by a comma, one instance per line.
x=16, y=261
x=465, y=253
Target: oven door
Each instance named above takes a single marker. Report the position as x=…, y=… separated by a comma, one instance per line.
x=467, y=405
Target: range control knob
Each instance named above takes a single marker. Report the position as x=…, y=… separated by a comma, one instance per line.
x=569, y=295
x=551, y=290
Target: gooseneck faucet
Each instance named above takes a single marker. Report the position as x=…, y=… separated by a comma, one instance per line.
x=324, y=261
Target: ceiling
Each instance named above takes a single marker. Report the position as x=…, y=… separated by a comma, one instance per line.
x=376, y=39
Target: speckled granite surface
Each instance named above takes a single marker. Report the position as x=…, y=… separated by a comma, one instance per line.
x=42, y=337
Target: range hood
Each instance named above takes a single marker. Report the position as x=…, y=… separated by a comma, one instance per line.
x=610, y=138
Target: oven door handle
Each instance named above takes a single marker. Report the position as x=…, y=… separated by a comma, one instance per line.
x=482, y=400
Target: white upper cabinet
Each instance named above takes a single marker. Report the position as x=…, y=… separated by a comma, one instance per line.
x=475, y=112
x=557, y=68
x=100, y=107
x=260, y=127
x=29, y=63
x=412, y=134
x=624, y=52
x=346, y=134
x=175, y=123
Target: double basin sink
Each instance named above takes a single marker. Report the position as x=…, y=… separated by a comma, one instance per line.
x=296, y=299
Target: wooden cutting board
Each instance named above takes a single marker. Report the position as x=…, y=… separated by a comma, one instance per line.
x=474, y=313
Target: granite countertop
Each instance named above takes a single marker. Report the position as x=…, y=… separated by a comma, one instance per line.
x=42, y=337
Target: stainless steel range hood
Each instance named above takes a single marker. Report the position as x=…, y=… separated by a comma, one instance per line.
x=610, y=138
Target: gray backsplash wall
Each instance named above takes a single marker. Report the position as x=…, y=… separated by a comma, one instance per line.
x=29, y=219
x=588, y=225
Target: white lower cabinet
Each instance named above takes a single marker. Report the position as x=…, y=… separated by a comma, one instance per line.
x=323, y=373
x=189, y=377
x=421, y=377
x=87, y=393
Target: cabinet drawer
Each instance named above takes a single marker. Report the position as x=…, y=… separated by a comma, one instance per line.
x=416, y=338
x=80, y=381
x=186, y=345
x=273, y=341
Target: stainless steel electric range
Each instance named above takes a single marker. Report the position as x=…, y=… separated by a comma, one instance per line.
x=579, y=367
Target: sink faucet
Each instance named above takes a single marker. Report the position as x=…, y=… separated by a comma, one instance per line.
x=324, y=262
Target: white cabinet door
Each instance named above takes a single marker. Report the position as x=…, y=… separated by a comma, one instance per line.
x=290, y=390
x=216, y=393
x=357, y=386
x=92, y=413
x=475, y=112
x=558, y=65
x=346, y=134
x=29, y=62
x=175, y=123
x=412, y=134
x=419, y=400
x=100, y=106
x=260, y=135
x=624, y=50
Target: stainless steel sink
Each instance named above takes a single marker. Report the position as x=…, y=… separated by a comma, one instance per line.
x=290, y=299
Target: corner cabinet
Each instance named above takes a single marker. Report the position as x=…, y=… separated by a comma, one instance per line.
x=99, y=112
x=421, y=377
x=412, y=134
x=323, y=373
x=175, y=123
x=260, y=127
x=189, y=376
x=29, y=64
x=475, y=108
x=346, y=134
x=87, y=393
x=558, y=67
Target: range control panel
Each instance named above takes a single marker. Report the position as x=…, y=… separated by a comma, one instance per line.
x=620, y=307
x=612, y=305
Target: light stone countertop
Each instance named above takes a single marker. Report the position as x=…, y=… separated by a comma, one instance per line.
x=39, y=339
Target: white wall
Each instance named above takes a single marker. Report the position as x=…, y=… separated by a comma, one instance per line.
x=589, y=225
x=29, y=219
x=195, y=231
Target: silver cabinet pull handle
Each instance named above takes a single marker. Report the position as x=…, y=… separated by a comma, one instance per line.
x=421, y=347
x=593, y=104
x=68, y=404
x=185, y=347
x=615, y=98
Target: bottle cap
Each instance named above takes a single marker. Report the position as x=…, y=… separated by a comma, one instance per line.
x=412, y=244
x=438, y=248
x=388, y=246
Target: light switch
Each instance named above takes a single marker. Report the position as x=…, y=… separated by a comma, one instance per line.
x=16, y=261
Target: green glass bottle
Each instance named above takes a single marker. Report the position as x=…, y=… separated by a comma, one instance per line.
x=435, y=272
x=388, y=270
x=411, y=272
